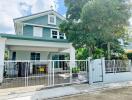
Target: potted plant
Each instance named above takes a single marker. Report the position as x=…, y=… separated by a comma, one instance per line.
x=75, y=71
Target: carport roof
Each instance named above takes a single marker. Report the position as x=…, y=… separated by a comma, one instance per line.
x=11, y=36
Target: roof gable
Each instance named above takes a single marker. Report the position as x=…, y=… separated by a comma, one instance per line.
x=39, y=15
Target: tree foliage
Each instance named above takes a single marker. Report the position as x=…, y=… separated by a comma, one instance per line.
x=91, y=24
x=74, y=8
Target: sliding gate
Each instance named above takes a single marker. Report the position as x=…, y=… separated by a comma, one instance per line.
x=47, y=73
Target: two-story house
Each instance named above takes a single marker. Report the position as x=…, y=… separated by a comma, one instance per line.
x=37, y=38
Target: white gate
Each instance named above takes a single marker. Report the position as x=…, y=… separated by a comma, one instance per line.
x=97, y=70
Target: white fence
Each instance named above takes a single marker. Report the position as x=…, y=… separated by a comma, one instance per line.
x=117, y=71
x=59, y=72
x=46, y=72
x=109, y=71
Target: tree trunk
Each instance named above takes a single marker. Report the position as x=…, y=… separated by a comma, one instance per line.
x=108, y=50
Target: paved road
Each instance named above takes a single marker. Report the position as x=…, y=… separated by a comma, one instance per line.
x=112, y=94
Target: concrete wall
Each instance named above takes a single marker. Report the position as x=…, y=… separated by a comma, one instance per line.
x=117, y=77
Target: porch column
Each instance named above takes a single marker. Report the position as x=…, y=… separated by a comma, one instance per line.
x=72, y=56
x=2, y=52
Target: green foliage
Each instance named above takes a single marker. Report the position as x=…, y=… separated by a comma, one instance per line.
x=129, y=55
x=106, y=18
x=75, y=70
x=98, y=53
x=6, y=56
x=92, y=24
x=81, y=53
x=74, y=8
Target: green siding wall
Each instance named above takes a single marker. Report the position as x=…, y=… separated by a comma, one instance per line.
x=43, y=20
x=28, y=30
x=46, y=33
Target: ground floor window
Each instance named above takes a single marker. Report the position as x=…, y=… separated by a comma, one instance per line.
x=35, y=56
x=58, y=61
x=13, y=55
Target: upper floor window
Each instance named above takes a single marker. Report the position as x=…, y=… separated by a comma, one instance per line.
x=57, y=35
x=62, y=35
x=52, y=19
x=37, y=31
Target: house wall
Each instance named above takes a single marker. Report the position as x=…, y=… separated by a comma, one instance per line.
x=28, y=31
x=43, y=20
x=25, y=55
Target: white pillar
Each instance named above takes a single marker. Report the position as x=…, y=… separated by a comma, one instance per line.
x=72, y=60
x=72, y=56
x=2, y=52
x=103, y=69
x=90, y=71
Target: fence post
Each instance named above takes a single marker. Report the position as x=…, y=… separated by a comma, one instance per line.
x=70, y=73
x=103, y=69
x=53, y=73
x=90, y=71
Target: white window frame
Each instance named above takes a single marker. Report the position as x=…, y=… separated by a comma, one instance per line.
x=57, y=33
x=64, y=37
x=37, y=31
x=54, y=19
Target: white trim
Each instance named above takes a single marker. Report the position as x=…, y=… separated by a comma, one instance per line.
x=49, y=19
x=36, y=43
x=40, y=25
x=34, y=48
x=39, y=15
x=58, y=35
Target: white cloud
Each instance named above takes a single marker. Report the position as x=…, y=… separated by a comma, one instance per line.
x=42, y=5
x=10, y=9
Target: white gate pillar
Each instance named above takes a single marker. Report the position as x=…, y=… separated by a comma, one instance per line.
x=72, y=56
x=103, y=69
x=2, y=52
x=90, y=71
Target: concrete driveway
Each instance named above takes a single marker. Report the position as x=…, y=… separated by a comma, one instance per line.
x=124, y=93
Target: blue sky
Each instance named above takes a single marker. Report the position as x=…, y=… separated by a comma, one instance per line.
x=10, y=9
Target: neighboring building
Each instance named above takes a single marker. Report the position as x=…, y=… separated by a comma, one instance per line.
x=37, y=38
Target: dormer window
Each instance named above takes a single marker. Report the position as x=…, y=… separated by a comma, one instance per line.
x=52, y=19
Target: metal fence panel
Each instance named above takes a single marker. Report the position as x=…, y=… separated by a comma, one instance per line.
x=44, y=72
x=118, y=66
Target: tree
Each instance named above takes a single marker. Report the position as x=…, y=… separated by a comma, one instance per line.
x=74, y=8
x=107, y=19
x=99, y=21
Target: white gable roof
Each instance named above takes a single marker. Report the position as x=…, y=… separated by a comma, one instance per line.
x=38, y=15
